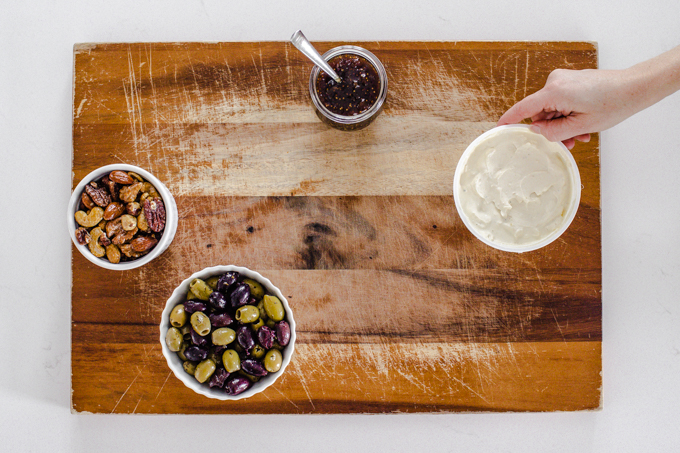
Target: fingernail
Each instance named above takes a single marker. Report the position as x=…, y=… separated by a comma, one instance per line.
x=534, y=128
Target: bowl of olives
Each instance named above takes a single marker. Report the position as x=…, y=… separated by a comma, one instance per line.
x=227, y=332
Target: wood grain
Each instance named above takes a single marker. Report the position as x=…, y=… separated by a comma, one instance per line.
x=359, y=230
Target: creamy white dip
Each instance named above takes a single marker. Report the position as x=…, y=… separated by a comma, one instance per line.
x=516, y=187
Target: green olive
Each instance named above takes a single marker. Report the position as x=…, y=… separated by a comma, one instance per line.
x=189, y=367
x=272, y=360
x=263, y=313
x=247, y=314
x=212, y=282
x=178, y=317
x=231, y=361
x=180, y=353
x=223, y=336
x=271, y=324
x=256, y=290
x=191, y=295
x=274, y=308
x=186, y=328
x=200, y=289
x=258, y=352
x=204, y=370
x=174, y=339
x=201, y=323
x=257, y=324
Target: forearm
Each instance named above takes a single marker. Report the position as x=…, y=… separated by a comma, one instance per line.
x=653, y=80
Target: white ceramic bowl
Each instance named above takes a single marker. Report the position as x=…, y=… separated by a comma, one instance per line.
x=171, y=217
x=175, y=363
x=571, y=212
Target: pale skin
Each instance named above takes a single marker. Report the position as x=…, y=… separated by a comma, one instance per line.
x=574, y=104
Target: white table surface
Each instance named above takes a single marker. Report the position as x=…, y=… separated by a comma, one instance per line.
x=640, y=227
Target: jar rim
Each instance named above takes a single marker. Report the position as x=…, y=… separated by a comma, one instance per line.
x=382, y=75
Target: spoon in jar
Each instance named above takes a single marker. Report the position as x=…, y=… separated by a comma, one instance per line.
x=303, y=45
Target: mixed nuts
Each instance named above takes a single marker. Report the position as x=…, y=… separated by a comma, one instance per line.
x=121, y=217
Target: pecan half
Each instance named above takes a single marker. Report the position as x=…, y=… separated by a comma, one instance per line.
x=154, y=212
x=126, y=249
x=82, y=236
x=98, y=195
x=104, y=240
x=143, y=243
x=112, y=186
x=121, y=177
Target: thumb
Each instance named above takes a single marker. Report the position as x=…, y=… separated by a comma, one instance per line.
x=557, y=129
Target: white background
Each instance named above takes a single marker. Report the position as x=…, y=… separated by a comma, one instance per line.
x=640, y=220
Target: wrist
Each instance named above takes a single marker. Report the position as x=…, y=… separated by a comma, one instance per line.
x=653, y=80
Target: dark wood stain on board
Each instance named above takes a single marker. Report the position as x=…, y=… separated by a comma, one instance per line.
x=359, y=230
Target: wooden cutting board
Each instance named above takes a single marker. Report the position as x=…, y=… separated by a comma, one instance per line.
x=399, y=308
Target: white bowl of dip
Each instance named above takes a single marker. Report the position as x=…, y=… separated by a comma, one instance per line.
x=515, y=190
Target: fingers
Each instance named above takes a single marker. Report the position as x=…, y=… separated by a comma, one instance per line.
x=583, y=138
x=569, y=143
x=526, y=108
x=558, y=129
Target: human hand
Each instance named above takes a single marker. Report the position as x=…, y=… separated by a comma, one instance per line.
x=572, y=104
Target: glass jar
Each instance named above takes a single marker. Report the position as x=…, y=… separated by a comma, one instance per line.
x=354, y=122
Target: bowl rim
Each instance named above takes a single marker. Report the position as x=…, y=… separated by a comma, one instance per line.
x=171, y=214
x=575, y=195
x=175, y=363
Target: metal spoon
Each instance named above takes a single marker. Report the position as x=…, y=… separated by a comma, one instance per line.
x=304, y=46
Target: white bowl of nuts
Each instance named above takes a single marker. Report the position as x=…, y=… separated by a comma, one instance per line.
x=227, y=332
x=121, y=217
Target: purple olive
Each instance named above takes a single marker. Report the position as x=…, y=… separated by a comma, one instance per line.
x=218, y=378
x=226, y=281
x=244, y=337
x=282, y=332
x=192, y=306
x=218, y=320
x=236, y=385
x=218, y=300
x=265, y=336
x=199, y=340
x=240, y=295
x=195, y=354
x=253, y=367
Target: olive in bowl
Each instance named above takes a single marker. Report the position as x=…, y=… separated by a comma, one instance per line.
x=227, y=332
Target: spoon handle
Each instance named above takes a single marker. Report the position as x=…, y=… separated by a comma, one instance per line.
x=303, y=45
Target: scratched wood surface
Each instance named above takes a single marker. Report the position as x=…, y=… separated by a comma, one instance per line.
x=399, y=308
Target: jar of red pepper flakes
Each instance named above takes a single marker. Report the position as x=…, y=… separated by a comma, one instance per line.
x=358, y=99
